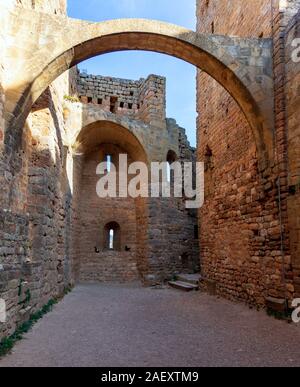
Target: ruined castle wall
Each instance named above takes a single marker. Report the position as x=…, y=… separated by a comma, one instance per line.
x=36, y=211
x=97, y=263
x=58, y=7
x=141, y=100
x=240, y=221
x=293, y=132
x=111, y=94
x=173, y=230
x=13, y=228
x=173, y=242
x=1, y=81
x=156, y=141
x=160, y=233
x=153, y=101
x=49, y=198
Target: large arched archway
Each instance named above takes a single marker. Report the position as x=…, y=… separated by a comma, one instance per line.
x=67, y=42
x=109, y=131
x=90, y=124
x=95, y=259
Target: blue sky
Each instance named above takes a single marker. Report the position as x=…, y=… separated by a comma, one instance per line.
x=181, y=82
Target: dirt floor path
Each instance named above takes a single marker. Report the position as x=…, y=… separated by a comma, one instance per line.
x=111, y=325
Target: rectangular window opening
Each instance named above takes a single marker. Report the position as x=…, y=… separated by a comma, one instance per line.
x=111, y=239
x=108, y=163
x=113, y=104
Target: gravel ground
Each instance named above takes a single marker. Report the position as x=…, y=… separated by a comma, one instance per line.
x=127, y=325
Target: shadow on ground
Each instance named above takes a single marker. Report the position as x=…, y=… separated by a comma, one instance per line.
x=127, y=325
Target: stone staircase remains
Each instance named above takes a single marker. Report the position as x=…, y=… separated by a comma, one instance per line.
x=186, y=282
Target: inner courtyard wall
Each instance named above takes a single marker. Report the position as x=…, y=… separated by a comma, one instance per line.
x=245, y=249
x=164, y=228
x=144, y=99
x=36, y=208
x=292, y=88
x=97, y=262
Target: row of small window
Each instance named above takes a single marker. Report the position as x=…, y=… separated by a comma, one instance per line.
x=113, y=104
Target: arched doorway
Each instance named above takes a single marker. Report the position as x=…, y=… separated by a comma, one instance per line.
x=109, y=232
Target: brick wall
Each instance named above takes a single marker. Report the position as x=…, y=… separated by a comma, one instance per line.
x=241, y=226
x=35, y=204
x=95, y=214
x=143, y=99
x=13, y=252
x=293, y=127
x=159, y=232
x=173, y=245
x=51, y=220
x=2, y=37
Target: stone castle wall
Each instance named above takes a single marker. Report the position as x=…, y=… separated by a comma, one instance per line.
x=293, y=129
x=58, y=7
x=242, y=221
x=36, y=210
x=97, y=263
x=143, y=99
x=50, y=220
x=162, y=242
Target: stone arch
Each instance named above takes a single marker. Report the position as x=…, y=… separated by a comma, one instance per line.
x=98, y=136
x=91, y=118
x=107, y=131
x=216, y=55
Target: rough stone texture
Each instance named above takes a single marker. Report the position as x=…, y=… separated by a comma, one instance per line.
x=51, y=222
x=62, y=239
x=95, y=214
x=249, y=229
x=2, y=123
x=58, y=7
x=130, y=326
x=142, y=100
x=36, y=210
x=292, y=88
x=159, y=233
x=242, y=220
x=243, y=66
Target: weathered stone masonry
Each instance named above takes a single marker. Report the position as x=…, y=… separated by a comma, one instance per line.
x=244, y=224
x=292, y=88
x=167, y=228
x=51, y=221
x=50, y=237
x=143, y=99
x=35, y=207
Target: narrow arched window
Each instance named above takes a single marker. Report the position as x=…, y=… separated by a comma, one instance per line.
x=112, y=236
x=108, y=160
x=169, y=172
x=111, y=239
